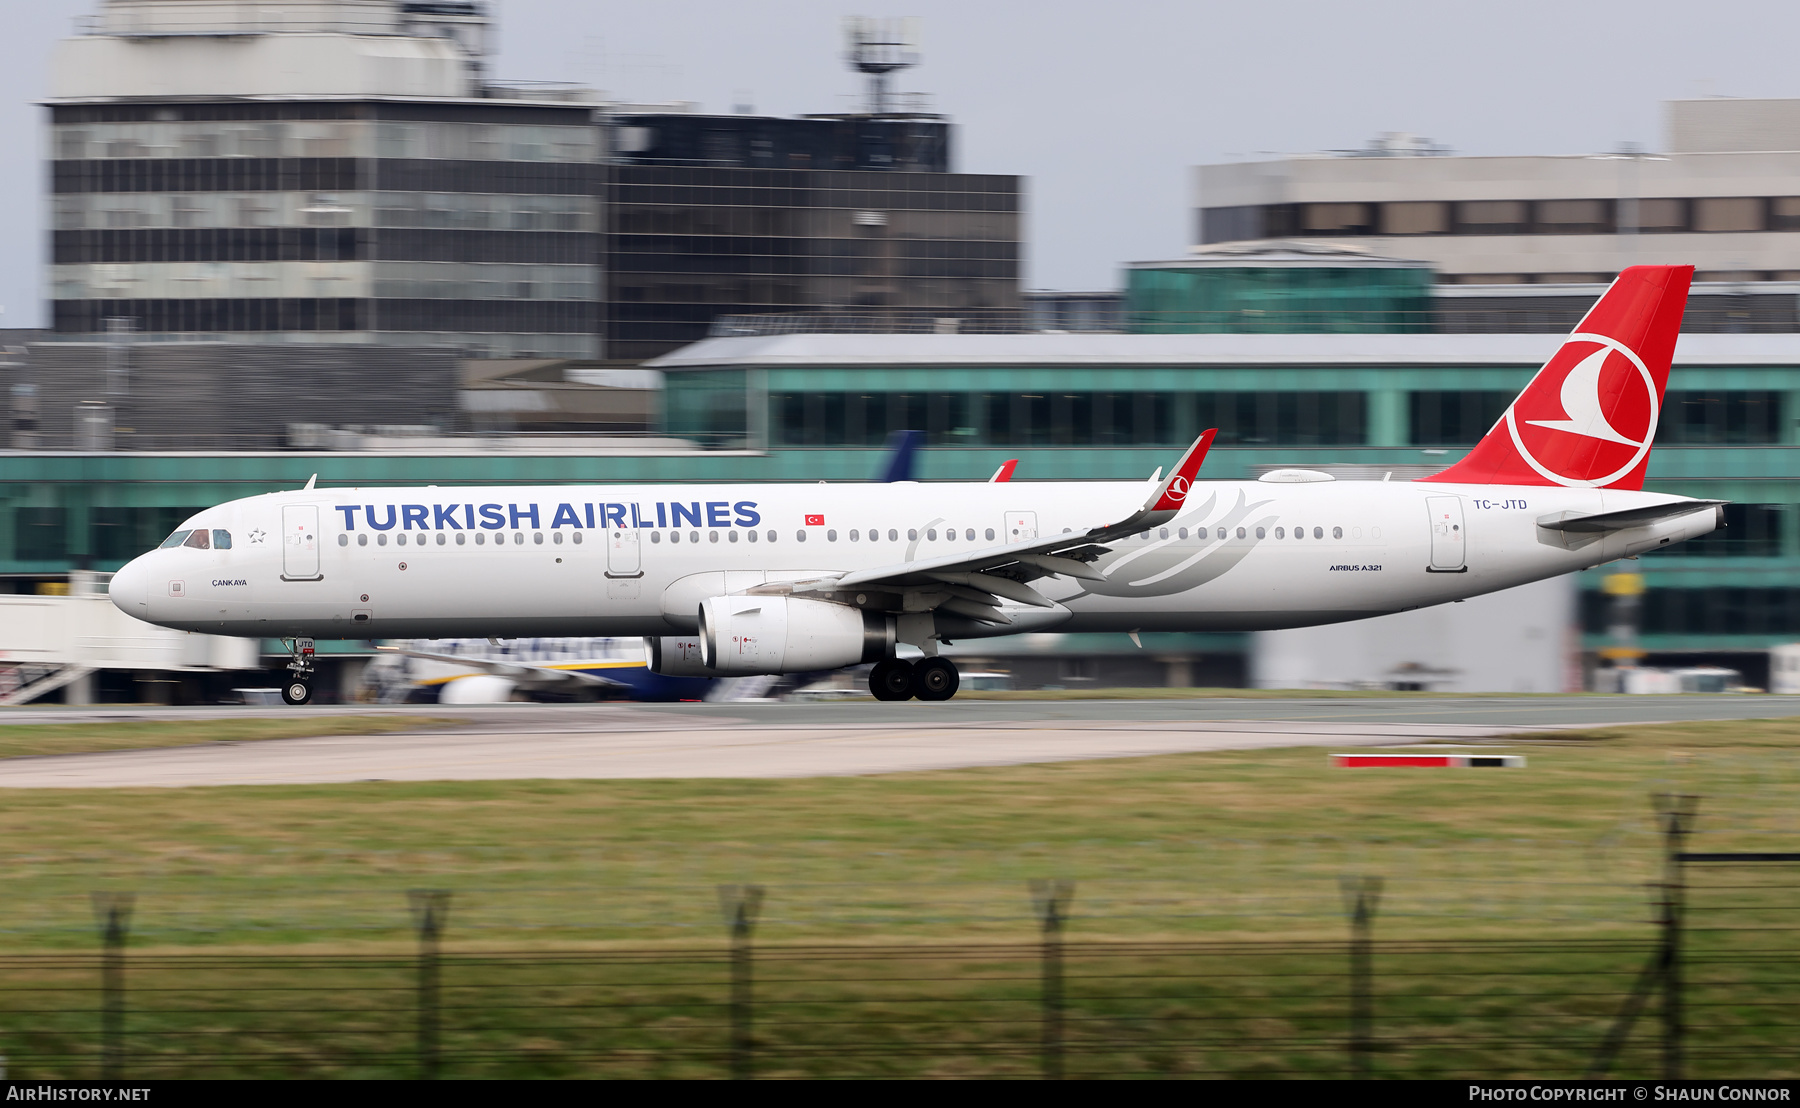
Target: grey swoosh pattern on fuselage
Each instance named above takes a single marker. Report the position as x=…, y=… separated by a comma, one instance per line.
x=1168, y=566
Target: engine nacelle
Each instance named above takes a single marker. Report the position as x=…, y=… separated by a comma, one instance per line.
x=782, y=634
x=674, y=656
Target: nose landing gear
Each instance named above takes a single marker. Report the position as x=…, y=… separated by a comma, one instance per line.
x=929, y=679
x=298, y=688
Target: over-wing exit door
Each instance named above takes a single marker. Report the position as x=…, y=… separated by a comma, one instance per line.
x=300, y=542
x=1021, y=525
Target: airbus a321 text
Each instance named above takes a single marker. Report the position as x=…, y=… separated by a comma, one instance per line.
x=722, y=580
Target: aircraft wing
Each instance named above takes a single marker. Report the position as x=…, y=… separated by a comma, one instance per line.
x=973, y=583
x=527, y=676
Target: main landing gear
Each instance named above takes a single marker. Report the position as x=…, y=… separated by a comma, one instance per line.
x=927, y=679
x=297, y=689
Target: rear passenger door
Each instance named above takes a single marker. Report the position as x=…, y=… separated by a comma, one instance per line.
x=1448, y=541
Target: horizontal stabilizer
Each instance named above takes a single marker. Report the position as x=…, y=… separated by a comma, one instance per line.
x=1623, y=520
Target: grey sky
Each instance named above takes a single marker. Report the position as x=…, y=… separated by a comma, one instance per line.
x=1102, y=105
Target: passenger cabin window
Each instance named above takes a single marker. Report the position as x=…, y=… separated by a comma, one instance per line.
x=199, y=539
x=175, y=540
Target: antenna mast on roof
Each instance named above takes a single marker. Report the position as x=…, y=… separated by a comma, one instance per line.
x=878, y=47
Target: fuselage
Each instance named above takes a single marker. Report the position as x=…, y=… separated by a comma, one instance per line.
x=638, y=560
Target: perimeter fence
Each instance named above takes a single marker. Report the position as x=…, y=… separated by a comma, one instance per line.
x=1712, y=989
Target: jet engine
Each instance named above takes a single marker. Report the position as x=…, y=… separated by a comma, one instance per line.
x=675, y=656
x=782, y=634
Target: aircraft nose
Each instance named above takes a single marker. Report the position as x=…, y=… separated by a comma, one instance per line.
x=130, y=589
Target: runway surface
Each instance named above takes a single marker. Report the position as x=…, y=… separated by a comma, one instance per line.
x=622, y=741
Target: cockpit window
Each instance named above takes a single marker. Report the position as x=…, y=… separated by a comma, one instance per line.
x=198, y=539
x=221, y=539
x=176, y=539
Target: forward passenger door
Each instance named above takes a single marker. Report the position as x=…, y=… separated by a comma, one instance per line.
x=300, y=542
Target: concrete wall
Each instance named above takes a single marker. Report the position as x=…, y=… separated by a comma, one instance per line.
x=1518, y=640
x=94, y=67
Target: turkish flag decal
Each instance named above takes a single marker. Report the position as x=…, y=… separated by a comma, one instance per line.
x=815, y=521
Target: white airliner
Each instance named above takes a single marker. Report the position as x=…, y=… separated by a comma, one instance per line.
x=723, y=580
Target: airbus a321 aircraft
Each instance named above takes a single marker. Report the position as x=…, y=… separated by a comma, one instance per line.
x=763, y=579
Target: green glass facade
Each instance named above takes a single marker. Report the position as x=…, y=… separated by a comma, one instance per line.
x=1184, y=298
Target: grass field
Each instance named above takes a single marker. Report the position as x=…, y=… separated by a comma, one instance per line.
x=1219, y=845
x=1232, y=848
x=24, y=740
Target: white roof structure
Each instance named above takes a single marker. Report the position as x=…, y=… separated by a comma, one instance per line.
x=1100, y=349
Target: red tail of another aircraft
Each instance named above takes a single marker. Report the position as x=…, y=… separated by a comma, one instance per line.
x=1588, y=418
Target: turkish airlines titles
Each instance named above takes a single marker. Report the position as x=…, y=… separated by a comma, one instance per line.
x=501, y=517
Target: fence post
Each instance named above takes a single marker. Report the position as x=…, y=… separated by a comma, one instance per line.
x=1677, y=813
x=430, y=911
x=1361, y=896
x=1051, y=899
x=740, y=904
x=113, y=912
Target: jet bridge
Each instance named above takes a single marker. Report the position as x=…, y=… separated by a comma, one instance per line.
x=50, y=642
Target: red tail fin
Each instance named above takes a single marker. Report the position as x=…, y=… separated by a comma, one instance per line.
x=1589, y=416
